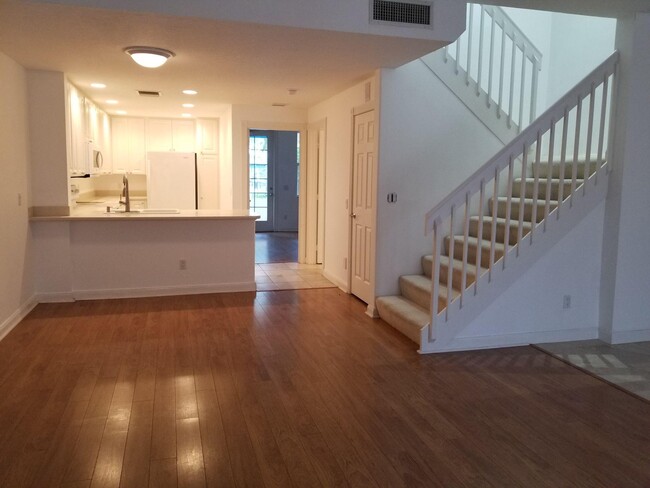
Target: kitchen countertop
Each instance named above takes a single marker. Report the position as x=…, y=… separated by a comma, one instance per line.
x=98, y=212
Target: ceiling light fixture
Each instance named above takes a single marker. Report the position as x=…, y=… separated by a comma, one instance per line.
x=149, y=57
x=186, y=115
x=188, y=105
x=98, y=85
x=190, y=92
x=112, y=102
x=121, y=112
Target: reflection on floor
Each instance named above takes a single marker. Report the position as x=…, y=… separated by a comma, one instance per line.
x=624, y=365
x=289, y=276
x=276, y=247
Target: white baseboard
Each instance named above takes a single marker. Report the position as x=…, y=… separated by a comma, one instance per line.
x=159, y=291
x=54, y=297
x=512, y=340
x=625, y=336
x=340, y=283
x=14, y=319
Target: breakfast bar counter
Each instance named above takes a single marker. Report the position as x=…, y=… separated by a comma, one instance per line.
x=94, y=254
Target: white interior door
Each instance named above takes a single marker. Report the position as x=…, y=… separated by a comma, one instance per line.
x=364, y=177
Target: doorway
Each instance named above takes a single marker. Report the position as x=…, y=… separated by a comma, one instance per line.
x=274, y=161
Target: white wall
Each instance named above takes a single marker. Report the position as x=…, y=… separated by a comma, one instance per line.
x=571, y=46
x=47, y=125
x=337, y=111
x=246, y=117
x=429, y=145
x=532, y=310
x=625, y=309
x=16, y=285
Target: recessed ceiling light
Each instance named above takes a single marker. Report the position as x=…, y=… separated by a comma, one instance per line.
x=186, y=115
x=112, y=102
x=121, y=112
x=149, y=57
x=190, y=92
x=98, y=85
x=188, y=105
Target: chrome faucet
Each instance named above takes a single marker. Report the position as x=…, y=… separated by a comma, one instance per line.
x=125, y=194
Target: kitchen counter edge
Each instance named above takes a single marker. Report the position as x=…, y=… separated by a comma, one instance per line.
x=182, y=215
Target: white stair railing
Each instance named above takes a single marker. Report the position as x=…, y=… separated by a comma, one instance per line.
x=495, y=64
x=575, y=128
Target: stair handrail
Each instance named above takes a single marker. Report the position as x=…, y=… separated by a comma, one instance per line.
x=541, y=133
x=527, y=137
x=521, y=42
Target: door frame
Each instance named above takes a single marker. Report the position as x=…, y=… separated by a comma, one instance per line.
x=314, y=191
x=269, y=223
x=301, y=128
x=371, y=310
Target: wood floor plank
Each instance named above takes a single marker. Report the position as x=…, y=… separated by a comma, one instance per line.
x=216, y=458
x=189, y=457
x=137, y=452
x=295, y=388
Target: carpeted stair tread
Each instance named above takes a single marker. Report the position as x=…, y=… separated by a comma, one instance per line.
x=417, y=288
x=529, y=187
x=404, y=315
x=501, y=226
x=528, y=204
x=457, y=271
x=542, y=168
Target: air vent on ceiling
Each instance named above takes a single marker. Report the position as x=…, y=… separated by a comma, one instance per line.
x=278, y=104
x=412, y=13
x=145, y=93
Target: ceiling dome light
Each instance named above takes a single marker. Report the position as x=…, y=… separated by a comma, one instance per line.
x=149, y=57
x=98, y=85
x=190, y=92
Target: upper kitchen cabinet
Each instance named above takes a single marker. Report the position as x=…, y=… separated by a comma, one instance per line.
x=207, y=136
x=76, y=131
x=129, y=150
x=89, y=136
x=170, y=135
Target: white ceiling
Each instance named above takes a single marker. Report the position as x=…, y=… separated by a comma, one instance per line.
x=227, y=63
x=598, y=8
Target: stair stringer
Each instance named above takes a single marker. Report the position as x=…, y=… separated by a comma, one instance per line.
x=473, y=97
x=501, y=279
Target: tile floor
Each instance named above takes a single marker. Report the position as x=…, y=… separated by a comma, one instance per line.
x=625, y=365
x=290, y=276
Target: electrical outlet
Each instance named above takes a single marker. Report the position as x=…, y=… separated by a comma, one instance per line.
x=20, y=199
x=566, y=302
x=182, y=265
x=345, y=263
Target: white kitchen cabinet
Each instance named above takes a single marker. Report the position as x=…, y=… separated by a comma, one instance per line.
x=208, y=177
x=129, y=150
x=77, y=142
x=170, y=135
x=105, y=143
x=208, y=136
x=207, y=140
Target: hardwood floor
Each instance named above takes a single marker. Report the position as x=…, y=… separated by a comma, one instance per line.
x=294, y=388
x=276, y=247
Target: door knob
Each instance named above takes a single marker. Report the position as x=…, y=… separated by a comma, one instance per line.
x=354, y=216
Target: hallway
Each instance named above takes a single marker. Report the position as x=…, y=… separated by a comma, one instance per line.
x=276, y=266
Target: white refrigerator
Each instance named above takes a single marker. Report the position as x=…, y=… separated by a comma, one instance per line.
x=171, y=180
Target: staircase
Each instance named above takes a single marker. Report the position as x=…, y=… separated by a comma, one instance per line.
x=410, y=312
x=509, y=213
